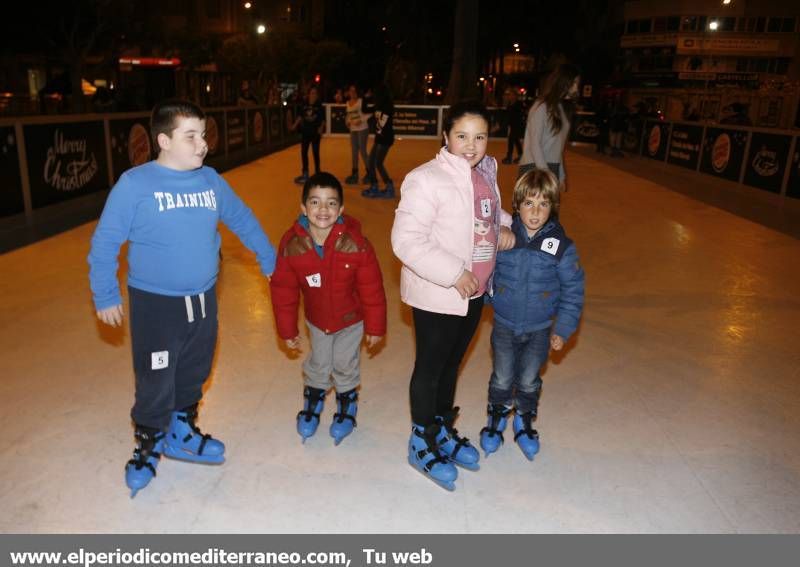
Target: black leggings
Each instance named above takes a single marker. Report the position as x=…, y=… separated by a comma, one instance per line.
x=442, y=341
x=314, y=142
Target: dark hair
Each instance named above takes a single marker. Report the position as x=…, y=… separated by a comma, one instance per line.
x=322, y=179
x=166, y=112
x=555, y=87
x=383, y=99
x=461, y=109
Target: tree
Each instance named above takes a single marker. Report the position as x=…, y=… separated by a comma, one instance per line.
x=463, y=74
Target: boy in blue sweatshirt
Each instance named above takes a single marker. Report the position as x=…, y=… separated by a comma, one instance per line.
x=168, y=210
x=538, y=300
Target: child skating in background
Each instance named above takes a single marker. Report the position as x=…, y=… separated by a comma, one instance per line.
x=358, y=124
x=168, y=210
x=440, y=235
x=325, y=257
x=538, y=299
x=311, y=122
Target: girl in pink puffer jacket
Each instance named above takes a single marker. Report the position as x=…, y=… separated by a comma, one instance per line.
x=447, y=230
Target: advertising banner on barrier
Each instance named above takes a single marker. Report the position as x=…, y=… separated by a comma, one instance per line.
x=767, y=160
x=723, y=152
x=338, y=122
x=65, y=160
x=416, y=121
x=236, y=130
x=684, y=145
x=655, y=139
x=793, y=188
x=11, y=202
x=584, y=128
x=275, y=131
x=131, y=144
x=256, y=127
x=215, y=137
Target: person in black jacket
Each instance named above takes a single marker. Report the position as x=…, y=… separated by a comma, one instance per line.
x=515, y=115
x=311, y=121
x=382, y=110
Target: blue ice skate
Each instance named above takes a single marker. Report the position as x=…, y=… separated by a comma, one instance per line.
x=141, y=469
x=344, y=421
x=456, y=448
x=186, y=442
x=526, y=437
x=425, y=456
x=492, y=434
x=308, y=417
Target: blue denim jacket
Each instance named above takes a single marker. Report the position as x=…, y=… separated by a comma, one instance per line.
x=538, y=281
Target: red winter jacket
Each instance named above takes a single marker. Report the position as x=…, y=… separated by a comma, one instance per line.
x=340, y=289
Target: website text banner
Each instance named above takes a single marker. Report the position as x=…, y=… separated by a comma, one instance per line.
x=396, y=550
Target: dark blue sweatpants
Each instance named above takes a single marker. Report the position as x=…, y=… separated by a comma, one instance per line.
x=173, y=341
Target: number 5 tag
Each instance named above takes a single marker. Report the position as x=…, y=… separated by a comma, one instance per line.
x=550, y=245
x=159, y=360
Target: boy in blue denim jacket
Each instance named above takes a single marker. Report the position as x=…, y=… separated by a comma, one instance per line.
x=538, y=299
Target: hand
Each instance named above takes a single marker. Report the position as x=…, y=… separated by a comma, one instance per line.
x=556, y=342
x=466, y=285
x=372, y=340
x=111, y=315
x=506, y=239
x=293, y=344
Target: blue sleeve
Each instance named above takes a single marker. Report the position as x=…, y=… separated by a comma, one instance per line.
x=571, y=279
x=243, y=223
x=111, y=232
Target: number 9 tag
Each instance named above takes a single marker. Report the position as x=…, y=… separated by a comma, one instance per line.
x=550, y=245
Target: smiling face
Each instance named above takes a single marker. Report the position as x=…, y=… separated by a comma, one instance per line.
x=322, y=207
x=534, y=212
x=468, y=138
x=186, y=147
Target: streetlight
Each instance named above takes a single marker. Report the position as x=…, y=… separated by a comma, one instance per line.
x=248, y=5
x=261, y=29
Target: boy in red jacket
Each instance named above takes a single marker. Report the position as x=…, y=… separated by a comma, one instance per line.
x=325, y=256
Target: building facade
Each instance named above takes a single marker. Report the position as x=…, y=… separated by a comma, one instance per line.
x=708, y=59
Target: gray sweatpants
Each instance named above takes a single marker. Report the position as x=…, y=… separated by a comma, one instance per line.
x=334, y=355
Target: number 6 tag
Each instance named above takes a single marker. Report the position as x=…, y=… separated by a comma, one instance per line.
x=550, y=245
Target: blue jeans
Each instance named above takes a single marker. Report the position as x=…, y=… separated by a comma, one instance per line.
x=517, y=360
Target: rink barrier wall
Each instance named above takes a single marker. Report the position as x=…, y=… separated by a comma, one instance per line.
x=763, y=158
x=57, y=170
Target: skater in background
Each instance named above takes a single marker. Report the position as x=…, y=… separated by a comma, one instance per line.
x=382, y=110
x=357, y=123
x=602, y=117
x=537, y=300
x=311, y=122
x=324, y=257
x=515, y=116
x=618, y=125
x=448, y=256
x=548, y=123
x=168, y=210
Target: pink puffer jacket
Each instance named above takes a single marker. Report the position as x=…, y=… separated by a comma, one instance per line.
x=433, y=231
